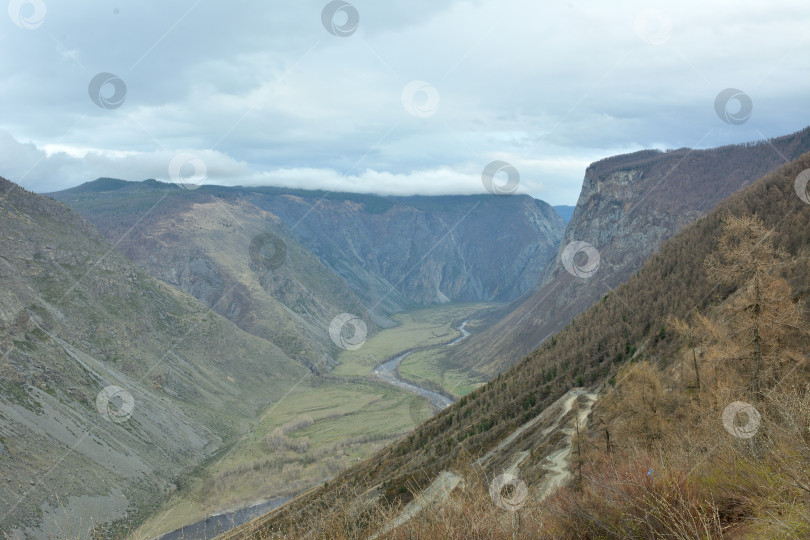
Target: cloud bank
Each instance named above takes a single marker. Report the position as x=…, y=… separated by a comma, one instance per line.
x=413, y=98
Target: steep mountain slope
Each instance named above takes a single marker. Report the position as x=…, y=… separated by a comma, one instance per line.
x=566, y=212
x=628, y=323
x=392, y=252
x=628, y=206
x=112, y=384
x=428, y=249
x=235, y=257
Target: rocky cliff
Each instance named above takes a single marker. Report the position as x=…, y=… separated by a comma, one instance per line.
x=425, y=250
x=360, y=254
x=629, y=205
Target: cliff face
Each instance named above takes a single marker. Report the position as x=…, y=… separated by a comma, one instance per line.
x=426, y=250
x=629, y=205
x=361, y=254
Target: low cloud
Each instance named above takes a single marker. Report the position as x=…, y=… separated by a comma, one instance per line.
x=59, y=167
x=264, y=93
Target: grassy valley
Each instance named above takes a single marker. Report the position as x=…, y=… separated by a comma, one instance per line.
x=321, y=427
x=430, y=368
x=422, y=328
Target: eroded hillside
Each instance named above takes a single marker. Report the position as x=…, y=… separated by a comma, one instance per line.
x=112, y=383
x=392, y=252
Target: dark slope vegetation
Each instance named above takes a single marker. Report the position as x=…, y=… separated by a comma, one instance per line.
x=630, y=323
x=77, y=317
x=628, y=206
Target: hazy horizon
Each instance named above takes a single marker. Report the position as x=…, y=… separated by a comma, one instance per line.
x=390, y=99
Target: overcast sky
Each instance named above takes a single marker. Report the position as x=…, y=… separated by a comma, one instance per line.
x=416, y=97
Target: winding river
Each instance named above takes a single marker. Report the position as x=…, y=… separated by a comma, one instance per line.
x=213, y=526
x=387, y=371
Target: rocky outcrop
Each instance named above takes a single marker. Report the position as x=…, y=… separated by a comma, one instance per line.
x=629, y=205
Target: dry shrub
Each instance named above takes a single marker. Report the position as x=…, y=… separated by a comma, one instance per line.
x=469, y=513
x=278, y=441
x=633, y=498
x=299, y=423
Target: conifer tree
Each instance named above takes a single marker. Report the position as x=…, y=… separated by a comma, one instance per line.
x=760, y=313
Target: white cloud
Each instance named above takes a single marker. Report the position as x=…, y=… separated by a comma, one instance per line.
x=56, y=167
x=267, y=95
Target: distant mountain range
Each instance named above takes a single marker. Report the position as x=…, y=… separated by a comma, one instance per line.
x=361, y=254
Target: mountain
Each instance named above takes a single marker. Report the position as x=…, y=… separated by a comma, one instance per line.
x=393, y=251
x=232, y=255
x=629, y=205
x=112, y=383
x=360, y=254
x=509, y=417
x=424, y=249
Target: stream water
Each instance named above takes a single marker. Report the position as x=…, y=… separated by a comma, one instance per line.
x=213, y=526
x=388, y=373
x=218, y=524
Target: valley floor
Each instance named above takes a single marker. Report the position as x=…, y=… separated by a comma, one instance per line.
x=325, y=424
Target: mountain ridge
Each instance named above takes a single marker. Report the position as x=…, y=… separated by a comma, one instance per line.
x=628, y=206
x=393, y=253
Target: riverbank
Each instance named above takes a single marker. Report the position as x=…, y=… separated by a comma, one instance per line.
x=353, y=415
x=215, y=525
x=388, y=372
